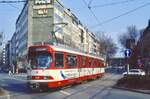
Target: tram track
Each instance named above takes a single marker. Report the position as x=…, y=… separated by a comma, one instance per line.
x=99, y=83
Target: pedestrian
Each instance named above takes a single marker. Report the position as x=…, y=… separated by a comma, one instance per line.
x=9, y=72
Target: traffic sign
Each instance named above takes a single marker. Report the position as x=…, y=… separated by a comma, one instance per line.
x=127, y=52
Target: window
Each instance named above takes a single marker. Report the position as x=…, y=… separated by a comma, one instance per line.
x=57, y=17
x=90, y=62
x=59, y=60
x=71, y=61
x=83, y=61
x=41, y=61
x=93, y=63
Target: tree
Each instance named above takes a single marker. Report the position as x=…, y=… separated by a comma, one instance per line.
x=130, y=38
x=106, y=45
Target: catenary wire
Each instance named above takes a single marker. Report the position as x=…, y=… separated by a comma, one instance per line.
x=92, y=13
x=10, y=1
x=121, y=15
x=112, y=4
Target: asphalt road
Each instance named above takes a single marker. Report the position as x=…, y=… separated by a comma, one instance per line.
x=16, y=88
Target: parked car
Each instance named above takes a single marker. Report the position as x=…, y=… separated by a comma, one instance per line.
x=134, y=72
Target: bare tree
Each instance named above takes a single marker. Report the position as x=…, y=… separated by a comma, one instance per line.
x=106, y=45
x=130, y=38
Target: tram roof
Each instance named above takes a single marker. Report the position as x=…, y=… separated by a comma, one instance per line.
x=69, y=50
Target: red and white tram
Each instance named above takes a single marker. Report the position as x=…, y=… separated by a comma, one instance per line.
x=54, y=67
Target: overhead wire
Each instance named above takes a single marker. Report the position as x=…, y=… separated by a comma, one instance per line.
x=96, y=18
x=90, y=2
x=112, y=3
x=123, y=14
x=13, y=6
x=10, y=1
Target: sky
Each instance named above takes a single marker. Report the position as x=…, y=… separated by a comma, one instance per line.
x=10, y=12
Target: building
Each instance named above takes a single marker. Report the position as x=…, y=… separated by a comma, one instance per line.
x=1, y=56
x=141, y=52
x=118, y=61
x=7, y=54
x=13, y=50
x=48, y=21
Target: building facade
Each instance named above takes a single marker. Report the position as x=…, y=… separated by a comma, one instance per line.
x=1, y=56
x=141, y=52
x=48, y=21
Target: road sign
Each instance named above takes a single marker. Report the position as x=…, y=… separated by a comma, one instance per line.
x=127, y=52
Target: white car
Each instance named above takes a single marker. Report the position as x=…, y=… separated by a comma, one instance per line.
x=135, y=72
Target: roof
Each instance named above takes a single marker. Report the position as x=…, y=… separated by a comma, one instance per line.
x=69, y=50
x=75, y=52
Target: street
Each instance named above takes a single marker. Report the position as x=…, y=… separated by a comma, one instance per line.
x=16, y=88
x=56, y=43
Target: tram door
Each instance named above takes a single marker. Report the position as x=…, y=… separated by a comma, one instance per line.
x=79, y=63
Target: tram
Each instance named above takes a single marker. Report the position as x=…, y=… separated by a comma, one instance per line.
x=53, y=67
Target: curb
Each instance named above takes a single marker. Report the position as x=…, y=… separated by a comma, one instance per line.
x=5, y=94
x=133, y=90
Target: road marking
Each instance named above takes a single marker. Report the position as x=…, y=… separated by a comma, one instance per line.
x=64, y=92
x=8, y=96
x=4, y=85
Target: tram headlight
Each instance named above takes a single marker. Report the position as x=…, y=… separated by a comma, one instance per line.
x=48, y=78
x=41, y=78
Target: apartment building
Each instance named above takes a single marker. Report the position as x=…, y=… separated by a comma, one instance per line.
x=40, y=21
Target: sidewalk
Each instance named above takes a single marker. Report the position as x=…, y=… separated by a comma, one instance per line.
x=1, y=92
x=133, y=90
x=4, y=94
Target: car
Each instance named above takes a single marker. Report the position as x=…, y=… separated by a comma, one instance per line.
x=134, y=72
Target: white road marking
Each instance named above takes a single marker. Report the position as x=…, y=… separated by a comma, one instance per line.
x=64, y=92
x=4, y=85
x=8, y=96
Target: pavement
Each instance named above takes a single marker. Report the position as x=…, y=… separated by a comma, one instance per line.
x=4, y=94
x=97, y=89
x=1, y=92
x=133, y=90
x=18, y=77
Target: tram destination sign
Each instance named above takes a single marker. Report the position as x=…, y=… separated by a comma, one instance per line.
x=40, y=49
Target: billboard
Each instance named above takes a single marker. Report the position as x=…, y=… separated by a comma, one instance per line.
x=42, y=2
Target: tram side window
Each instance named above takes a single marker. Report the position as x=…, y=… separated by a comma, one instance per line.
x=71, y=61
x=90, y=62
x=59, y=60
x=83, y=61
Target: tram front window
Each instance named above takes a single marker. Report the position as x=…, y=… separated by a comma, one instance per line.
x=41, y=61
